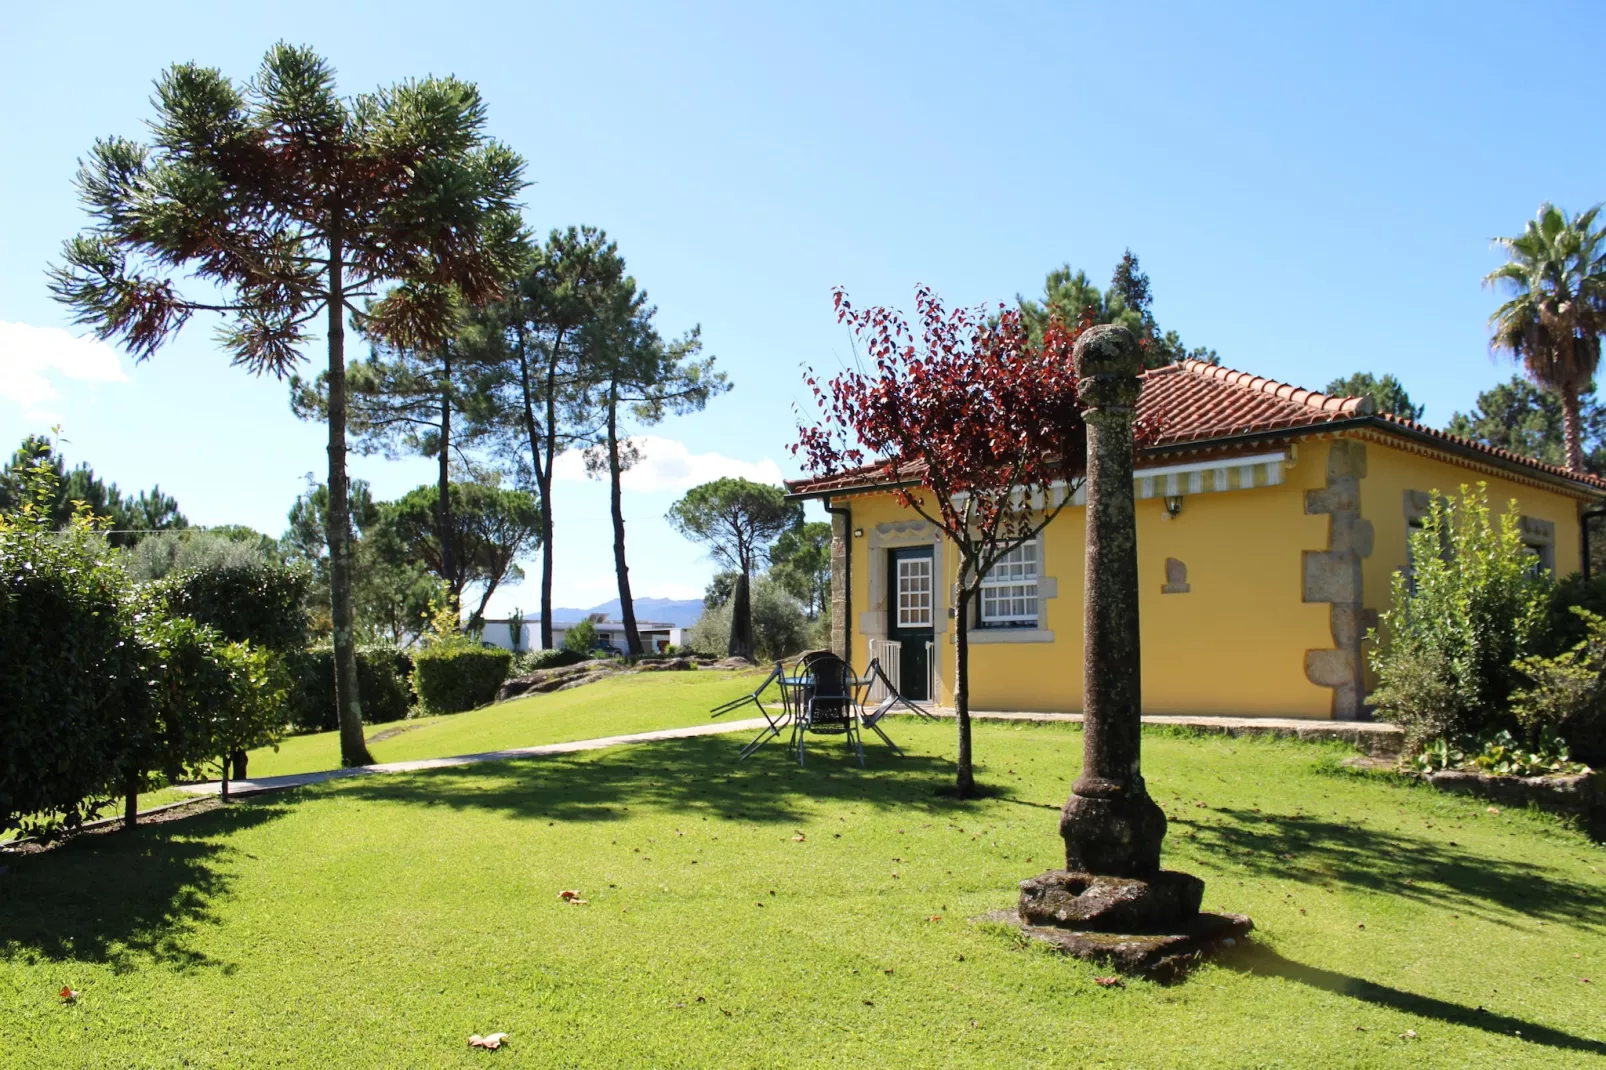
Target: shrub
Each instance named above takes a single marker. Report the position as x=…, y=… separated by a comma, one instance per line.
x=536, y=660
x=1445, y=666
x=580, y=638
x=1567, y=693
x=255, y=602
x=382, y=686
x=72, y=685
x=452, y=677
x=780, y=625
x=165, y=552
x=1564, y=629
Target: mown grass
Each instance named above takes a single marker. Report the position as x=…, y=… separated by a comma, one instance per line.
x=617, y=706
x=761, y=915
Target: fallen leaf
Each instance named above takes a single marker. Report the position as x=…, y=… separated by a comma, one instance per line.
x=1492, y=810
x=1109, y=982
x=799, y=838
x=935, y=917
x=1409, y=1034
x=68, y=995
x=1361, y=925
x=492, y=1042
x=869, y=1003
x=570, y=896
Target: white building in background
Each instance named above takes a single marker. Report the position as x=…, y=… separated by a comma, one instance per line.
x=655, y=636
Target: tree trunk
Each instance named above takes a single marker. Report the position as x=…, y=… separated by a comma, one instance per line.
x=627, y=608
x=353, y=749
x=223, y=782
x=131, y=802
x=1572, y=428
x=238, y=759
x=444, y=479
x=741, y=637
x=543, y=443
x=966, y=777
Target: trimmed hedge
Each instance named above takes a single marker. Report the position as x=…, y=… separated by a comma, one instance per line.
x=72, y=676
x=382, y=674
x=536, y=660
x=452, y=678
x=261, y=604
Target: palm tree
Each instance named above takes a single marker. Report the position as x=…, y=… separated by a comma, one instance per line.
x=1557, y=312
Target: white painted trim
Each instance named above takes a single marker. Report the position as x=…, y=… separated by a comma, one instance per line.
x=985, y=636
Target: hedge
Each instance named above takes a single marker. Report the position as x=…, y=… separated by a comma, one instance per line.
x=261, y=604
x=382, y=673
x=72, y=676
x=451, y=678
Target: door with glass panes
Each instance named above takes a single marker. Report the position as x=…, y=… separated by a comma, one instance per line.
x=911, y=613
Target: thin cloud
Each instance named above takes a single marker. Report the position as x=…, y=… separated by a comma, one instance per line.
x=33, y=359
x=667, y=465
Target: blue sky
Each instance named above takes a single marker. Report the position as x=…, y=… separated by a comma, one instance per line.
x=1311, y=189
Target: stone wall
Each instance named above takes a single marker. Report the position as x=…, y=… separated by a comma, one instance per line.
x=1334, y=576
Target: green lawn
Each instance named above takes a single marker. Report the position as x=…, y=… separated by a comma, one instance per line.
x=624, y=704
x=761, y=915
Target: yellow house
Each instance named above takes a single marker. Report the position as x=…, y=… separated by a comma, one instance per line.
x=1270, y=521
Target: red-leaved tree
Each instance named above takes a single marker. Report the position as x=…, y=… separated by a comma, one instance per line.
x=976, y=427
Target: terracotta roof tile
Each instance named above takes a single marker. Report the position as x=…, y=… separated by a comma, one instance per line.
x=1192, y=402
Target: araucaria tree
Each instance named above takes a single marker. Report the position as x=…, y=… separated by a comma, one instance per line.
x=1556, y=276
x=291, y=205
x=737, y=520
x=974, y=418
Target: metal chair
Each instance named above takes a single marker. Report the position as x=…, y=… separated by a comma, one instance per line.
x=827, y=703
x=773, y=724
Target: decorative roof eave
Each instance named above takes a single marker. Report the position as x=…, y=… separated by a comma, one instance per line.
x=1388, y=432
x=1428, y=443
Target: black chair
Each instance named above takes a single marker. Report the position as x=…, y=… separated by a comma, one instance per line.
x=827, y=703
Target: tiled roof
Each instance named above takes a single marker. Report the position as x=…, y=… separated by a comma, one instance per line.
x=1192, y=400
x=1192, y=403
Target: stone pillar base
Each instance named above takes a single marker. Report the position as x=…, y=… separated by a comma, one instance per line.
x=1117, y=834
x=1150, y=927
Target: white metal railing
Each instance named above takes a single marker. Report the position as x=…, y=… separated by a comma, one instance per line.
x=890, y=654
x=931, y=672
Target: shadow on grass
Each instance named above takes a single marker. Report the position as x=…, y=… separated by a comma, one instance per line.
x=1320, y=851
x=1258, y=960
x=699, y=775
x=123, y=897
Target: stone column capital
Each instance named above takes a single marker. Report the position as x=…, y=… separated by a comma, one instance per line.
x=1107, y=361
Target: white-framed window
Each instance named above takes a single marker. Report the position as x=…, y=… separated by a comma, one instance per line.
x=1009, y=590
x=914, y=592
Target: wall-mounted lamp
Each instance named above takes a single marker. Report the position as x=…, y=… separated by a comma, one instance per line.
x=1173, y=505
x=858, y=533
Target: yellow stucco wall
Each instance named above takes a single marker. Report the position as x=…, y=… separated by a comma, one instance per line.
x=1235, y=644
x=1390, y=472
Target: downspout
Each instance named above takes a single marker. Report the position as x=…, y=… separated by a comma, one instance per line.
x=1583, y=528
x=846, y=513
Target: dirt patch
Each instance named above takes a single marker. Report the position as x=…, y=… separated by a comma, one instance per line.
x=203, y=804
x=393, y=732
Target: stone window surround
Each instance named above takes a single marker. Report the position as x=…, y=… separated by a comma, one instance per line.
x=1047, y=588
x=896, y=534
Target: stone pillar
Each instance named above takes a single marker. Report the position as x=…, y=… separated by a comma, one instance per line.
x=1112, y=902
x=841, y=579
x=1110, y=825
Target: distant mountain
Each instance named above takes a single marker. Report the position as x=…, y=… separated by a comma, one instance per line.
x=681, y=611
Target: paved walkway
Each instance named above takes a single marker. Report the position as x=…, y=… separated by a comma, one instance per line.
x=296, y=780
